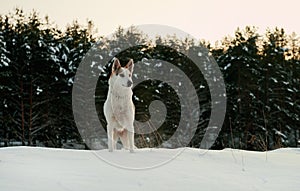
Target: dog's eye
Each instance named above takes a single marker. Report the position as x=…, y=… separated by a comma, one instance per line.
x=122, y=75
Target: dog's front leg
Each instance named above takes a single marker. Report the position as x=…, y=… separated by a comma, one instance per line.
x=130, y=134
x=124, y=138
x=110, y=136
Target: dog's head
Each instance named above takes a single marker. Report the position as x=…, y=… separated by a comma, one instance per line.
x=122, y=76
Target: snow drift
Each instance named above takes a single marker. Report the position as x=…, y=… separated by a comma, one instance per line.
x=36, y=169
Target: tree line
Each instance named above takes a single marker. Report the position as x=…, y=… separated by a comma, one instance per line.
x=39, y=62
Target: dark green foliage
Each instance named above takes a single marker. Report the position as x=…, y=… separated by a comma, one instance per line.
x=37, y=68
x=261, y=90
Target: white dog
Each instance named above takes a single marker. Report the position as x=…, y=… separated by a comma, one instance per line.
x=118, y=107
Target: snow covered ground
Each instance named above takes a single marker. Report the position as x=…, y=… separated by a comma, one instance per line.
x=42, y=169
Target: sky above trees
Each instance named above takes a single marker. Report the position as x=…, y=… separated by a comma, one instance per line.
x=210, y=20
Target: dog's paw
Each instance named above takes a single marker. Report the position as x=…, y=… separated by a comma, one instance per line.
x=110, y=150
x=131, y=151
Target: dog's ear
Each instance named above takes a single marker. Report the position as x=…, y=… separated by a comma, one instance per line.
x=116, y=66
x=130, y=65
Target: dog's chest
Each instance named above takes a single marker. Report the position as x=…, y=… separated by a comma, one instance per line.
x=121, y=104
x=122, y=111
x=121, y=107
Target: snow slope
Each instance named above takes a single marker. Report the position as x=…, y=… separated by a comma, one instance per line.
x=42, y=169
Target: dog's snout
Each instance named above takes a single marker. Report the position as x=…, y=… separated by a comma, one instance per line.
x=129, y=83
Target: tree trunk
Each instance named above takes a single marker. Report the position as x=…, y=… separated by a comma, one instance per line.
x=22, y=112
x=30, y=115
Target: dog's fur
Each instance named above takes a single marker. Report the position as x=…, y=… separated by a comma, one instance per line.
x=118, y=108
